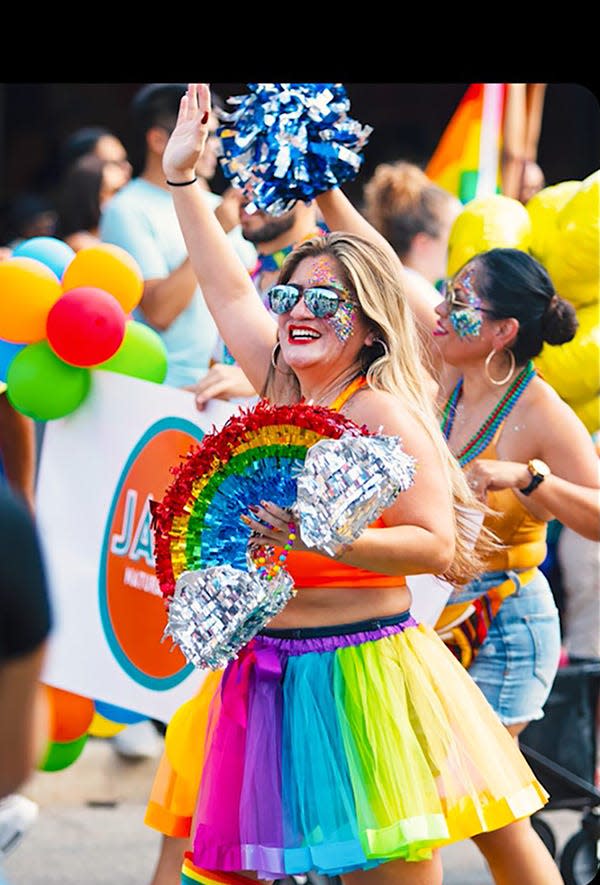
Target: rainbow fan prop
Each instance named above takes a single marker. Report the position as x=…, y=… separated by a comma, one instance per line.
x=332, y=475
x=286, y=142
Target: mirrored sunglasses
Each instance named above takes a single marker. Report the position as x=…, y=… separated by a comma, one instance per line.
x=321, y=302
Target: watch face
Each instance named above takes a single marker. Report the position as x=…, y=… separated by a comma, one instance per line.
x=539, y=467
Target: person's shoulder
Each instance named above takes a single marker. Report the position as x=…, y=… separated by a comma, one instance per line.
x=134, y=202
x=135, y=193
x=378, y=410
x=543, y=401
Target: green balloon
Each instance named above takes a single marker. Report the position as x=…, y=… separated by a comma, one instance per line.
x=41, y=385
x=61, y=754
x=142, y=354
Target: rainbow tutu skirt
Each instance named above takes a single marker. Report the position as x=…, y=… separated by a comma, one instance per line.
x=338, y=748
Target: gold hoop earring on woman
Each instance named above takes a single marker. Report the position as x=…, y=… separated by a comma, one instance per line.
x=274, y=355
x=500, y=381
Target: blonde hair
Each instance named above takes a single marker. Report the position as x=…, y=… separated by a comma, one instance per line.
x=395, y=365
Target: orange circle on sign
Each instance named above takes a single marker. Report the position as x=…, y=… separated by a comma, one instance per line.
x=132, y=606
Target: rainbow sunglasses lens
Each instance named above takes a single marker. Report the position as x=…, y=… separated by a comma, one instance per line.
x=320, y=301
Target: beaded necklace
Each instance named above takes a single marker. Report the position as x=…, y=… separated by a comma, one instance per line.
x=482, y=437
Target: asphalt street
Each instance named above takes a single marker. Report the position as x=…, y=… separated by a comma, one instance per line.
x=90, y=829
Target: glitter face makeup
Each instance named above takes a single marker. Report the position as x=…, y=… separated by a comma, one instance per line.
x=324, y=274
x=464, y=305
x=344, y=321
x=466, y=323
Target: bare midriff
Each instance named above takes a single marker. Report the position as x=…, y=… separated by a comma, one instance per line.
x=325, y=606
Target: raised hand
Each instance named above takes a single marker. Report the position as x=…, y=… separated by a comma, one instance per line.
x=186, y=144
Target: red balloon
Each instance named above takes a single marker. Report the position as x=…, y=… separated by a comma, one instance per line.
x=85, y=326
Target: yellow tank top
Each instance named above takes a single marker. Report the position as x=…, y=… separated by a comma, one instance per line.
x=523, y=534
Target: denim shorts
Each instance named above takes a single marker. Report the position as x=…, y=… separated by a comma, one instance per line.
x=517, y=663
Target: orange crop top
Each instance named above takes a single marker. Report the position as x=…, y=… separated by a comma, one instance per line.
x=316, y=570
x=523, y=534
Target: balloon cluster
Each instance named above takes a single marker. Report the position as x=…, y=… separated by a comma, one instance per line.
x=72, y=718
x=560, y=227
x=286, y=142
x=64, y=313
x=566, y=240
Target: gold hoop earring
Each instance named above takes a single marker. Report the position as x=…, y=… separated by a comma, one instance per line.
x=274, y=355
x=499, y=381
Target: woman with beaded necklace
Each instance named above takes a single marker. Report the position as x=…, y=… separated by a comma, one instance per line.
x=530, y=459
x=528, y=456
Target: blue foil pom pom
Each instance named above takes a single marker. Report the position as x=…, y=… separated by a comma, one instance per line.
x=286, y=142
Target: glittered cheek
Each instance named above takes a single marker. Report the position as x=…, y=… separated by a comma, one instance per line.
x=343, y=322
x=466, y=323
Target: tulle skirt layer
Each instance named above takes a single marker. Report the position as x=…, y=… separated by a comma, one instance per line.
x=342, y=751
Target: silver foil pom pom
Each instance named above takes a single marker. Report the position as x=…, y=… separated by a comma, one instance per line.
x=217, y=610
x=347, y=483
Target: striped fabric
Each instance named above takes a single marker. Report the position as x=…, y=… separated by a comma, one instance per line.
x=193, y=875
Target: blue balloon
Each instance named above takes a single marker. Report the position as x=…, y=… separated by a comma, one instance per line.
x=52, y=252
x=118, y=714
x=8, y=352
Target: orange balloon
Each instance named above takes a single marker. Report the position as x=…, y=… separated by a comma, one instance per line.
x=28, y=289
x=106, y=267
x=70, y=715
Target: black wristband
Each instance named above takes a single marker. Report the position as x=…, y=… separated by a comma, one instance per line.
x=181, y=183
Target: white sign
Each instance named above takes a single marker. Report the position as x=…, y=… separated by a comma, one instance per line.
x=99, y=468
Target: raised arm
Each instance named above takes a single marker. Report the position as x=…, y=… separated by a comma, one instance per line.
x=340, y=214
x=245, y=325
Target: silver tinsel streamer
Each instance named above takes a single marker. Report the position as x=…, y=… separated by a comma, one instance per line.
x=286, y=142
x=347, y=483
x=215, y=611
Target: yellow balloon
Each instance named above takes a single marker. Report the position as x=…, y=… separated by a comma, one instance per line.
x=106, y=267
x=543, y=209
x=28, y=289
x=104, y=728
x=573, y=369
x=574, y=262
x=486, y=223
x=589, y=413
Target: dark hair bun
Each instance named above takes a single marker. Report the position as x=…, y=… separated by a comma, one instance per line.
x=559, y=322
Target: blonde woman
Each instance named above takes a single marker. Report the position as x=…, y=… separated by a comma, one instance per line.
x=366, y=747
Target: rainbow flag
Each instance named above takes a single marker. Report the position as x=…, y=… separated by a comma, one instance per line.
x=466, y=161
